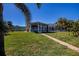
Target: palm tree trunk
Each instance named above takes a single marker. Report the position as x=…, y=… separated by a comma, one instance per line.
x=2, y=51
x=27, y=14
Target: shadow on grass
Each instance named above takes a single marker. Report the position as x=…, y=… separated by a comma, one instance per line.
x=48, y=32
x=44, y=32
x=6, y=34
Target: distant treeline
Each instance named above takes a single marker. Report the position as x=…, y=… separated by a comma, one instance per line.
x=19, y=28
x=8, y=27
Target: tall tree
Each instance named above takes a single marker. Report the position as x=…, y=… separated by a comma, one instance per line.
x=27, y=13
x=62, y=24
x=6, y=27
x=10, y=25
x=75, y=28
x=69, y=25
x=2, y=51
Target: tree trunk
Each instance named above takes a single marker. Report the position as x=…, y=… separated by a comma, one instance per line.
x=2, y=51
x=27, y=14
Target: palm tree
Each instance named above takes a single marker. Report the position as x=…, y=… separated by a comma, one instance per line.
x=27, y=14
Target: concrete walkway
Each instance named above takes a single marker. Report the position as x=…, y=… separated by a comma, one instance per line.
x=62, y=43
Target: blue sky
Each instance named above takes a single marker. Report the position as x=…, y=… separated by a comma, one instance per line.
x=48, y=13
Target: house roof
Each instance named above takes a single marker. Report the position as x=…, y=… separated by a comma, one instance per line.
x=35, y=23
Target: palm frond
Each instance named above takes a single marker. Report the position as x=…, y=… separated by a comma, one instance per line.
x=38, y=5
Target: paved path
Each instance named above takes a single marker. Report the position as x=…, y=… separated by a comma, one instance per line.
x=62, y=43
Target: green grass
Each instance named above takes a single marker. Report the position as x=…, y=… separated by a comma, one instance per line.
x=67, y=37
x=32, y=44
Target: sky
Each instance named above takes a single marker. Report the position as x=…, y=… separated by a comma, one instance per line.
x=48, y=13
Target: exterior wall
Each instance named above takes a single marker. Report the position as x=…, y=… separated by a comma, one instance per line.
x=34, y=29
x=50, y=29
x=44, y=29
x=37, y=27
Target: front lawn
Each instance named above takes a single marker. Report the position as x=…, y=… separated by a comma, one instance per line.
x=67, y=37
x=33, y=44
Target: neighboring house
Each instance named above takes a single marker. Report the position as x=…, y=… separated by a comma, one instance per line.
x=41, y=27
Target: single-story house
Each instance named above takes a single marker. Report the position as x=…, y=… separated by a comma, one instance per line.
x=41, y=27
